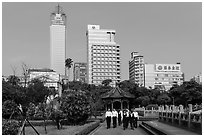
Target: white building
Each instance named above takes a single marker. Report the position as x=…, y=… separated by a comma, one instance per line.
x=49, y=77
x=136, y=68
x=103, y=55
x=163, y=76
x=58, y=41
x=198, y=78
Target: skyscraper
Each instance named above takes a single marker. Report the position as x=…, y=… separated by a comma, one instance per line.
x=161, y=76
x=103, y=55
x=136, y=68
x=58, y=40
x=80, y=72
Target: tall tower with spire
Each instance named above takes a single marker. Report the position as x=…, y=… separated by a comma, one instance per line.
x=58, y=40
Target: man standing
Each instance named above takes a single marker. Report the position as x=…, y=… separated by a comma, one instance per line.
x=108, y=118
x=136, y=117
x=115, y=116
x=127, y=118
x=120, y=117
x=132, y=118
x=124, y=119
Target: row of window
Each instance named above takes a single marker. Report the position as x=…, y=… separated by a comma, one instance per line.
x=106, y=55
x=105, y=74
x=106, y=70
x=105, y=50
x=106, y=66
x=169, y=75
x=106, y=62
x=104, y=78
x=105, y=59
x=105, y=46
x=169, y=79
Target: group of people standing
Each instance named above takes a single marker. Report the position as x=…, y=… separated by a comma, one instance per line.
x=122, y=117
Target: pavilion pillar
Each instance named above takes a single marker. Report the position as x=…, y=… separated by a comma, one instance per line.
x=112, y=105
x=128, y=106
x=121, y=104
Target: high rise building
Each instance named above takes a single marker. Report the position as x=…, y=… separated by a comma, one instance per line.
x=197, y=78
x=136, y=68
x=162, y=76
x=58, y=40
x=103, y=55
x=80, y=72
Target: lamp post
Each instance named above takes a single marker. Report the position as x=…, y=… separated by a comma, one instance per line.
x=173, y=100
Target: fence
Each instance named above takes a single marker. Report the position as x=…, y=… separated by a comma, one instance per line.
x=177, y=115
x=147, y=113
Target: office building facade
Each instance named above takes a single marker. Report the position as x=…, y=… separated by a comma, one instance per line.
x=136, y=69
x=49, y=77
x=58, y=41
x=80, y=72
x=103, y=56
x=163, y=76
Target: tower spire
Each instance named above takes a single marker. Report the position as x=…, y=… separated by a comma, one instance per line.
x=58, y=8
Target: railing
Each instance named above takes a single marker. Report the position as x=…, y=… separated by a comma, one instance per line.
x=181, y=117
x=147, y=113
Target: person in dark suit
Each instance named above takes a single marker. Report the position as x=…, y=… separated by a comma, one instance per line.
x=120, y=117
x=124, y=119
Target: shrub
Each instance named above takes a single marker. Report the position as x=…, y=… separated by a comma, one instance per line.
x=10, y=127
x=76, y=106
x=150, y=106
x=8, y=107
x=89, y=128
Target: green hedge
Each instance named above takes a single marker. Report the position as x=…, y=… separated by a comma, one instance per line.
x=10, y=127
x=90, y=128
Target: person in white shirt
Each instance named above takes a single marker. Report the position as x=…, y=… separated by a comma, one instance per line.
x=136, y=117
x=108, y=118
x=115, y=116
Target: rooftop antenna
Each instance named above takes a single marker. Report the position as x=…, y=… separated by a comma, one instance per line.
x=58, y=8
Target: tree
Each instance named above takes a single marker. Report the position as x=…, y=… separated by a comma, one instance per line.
x=128, y=86
x=25, y=73
x=37, y=92
x=106, y=82
x=190, y=92
x=76, y=106
x=143, y=100
x=9, y=108
x=14, y=80
x=68, y=64
x=163, y=99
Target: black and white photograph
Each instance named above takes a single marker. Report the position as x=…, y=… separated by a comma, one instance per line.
x=101, y=68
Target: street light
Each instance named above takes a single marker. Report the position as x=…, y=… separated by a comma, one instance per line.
x=173, y=100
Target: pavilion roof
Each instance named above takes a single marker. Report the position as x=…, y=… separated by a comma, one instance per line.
x=117, y=93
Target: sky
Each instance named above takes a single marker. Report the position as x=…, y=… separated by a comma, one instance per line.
x=164, y=33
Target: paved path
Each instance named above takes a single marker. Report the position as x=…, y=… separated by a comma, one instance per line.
x=102, y=130
x=171, y=129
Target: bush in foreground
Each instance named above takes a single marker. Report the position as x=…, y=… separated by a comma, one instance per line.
x=76, y=106
x=10, y=127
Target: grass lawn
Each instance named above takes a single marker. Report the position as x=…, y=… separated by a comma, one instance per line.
x=52, y=130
